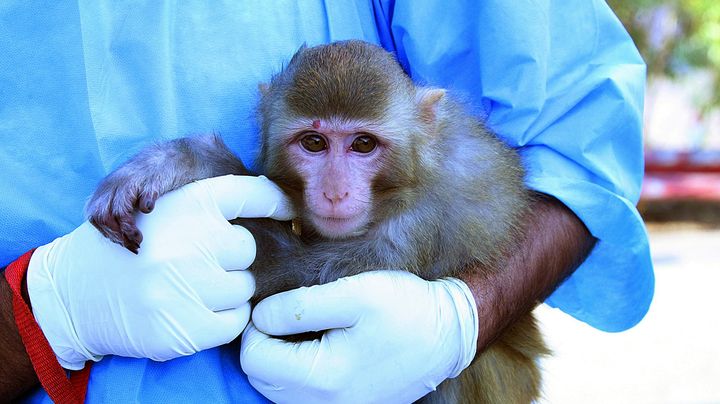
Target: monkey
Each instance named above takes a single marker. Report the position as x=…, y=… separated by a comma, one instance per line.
x=382, y=173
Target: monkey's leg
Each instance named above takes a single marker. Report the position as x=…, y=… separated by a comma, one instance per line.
x=159, y=169
x=506, y=373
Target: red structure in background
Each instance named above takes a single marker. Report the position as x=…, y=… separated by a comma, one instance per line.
x=681, y=176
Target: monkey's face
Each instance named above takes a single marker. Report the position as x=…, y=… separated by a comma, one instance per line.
x=342, y=129
x=338, y=162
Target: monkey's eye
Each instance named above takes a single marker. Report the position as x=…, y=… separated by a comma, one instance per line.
x=313, y=142
x=364, y=144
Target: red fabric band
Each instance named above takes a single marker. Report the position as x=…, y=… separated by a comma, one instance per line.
x=52, y=376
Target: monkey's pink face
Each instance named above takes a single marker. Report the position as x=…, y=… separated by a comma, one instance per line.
x=338, y=163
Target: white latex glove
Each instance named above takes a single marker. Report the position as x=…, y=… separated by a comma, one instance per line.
x=392, y=337
x=184, y=292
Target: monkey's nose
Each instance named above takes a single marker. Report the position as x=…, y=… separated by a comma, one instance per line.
x=335, y=197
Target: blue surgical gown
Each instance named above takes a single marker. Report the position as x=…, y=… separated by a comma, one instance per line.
x=85, y=85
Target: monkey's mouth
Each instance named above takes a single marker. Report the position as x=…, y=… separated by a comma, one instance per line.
x=339, y=227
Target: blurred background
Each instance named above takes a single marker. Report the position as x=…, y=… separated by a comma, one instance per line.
x=673, y=355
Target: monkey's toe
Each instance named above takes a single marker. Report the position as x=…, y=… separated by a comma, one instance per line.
x=131, y=235
x=108, y=227
x=146, y=201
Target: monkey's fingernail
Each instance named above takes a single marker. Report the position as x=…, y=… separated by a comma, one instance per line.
x=131, y=246
x=148, y=202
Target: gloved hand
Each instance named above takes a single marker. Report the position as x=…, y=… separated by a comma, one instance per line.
x=392, y=337
x=185, y=291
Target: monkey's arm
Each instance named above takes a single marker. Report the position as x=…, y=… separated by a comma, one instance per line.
x=16, y=373
x=155, y=171
x=555, y=243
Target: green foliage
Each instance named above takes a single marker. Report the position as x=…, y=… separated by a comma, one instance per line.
x=673, y=35
x=704, y=32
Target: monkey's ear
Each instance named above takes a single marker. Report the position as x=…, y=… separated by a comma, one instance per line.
x=429, y=100
x=263, y=88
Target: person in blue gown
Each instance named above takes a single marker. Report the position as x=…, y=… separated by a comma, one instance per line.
x=84, y=86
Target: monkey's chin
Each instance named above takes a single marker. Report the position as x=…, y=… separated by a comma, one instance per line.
x=339, y=228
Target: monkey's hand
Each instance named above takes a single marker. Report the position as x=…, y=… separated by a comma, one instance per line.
x=111, y=209
x=184, y=292
x=155, y=171
x=391, y=337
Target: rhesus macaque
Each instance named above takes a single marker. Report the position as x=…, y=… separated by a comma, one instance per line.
x=382, y=173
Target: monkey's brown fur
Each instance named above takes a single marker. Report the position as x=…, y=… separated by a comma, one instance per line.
x=447, y=199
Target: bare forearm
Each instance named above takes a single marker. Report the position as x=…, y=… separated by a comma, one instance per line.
x=554, y=245
x=16, y=372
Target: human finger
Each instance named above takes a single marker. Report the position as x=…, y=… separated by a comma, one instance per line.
x=234, y=248
x=317, y=308
x=249, y=197
x=225, y=290
x=223, y=327
x=267, y=359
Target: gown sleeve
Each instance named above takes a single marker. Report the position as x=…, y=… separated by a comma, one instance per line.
x=563, y=83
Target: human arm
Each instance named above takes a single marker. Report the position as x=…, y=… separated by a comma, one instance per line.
x=16, y=372
x=513, y=292
x=184, y=292
x=554, y=244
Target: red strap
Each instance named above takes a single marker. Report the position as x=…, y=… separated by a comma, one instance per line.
x=52, y=376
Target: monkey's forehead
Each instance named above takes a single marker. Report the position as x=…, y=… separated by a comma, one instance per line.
x=352, y=79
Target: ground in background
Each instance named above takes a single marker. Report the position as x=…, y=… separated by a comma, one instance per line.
x=672, y=356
